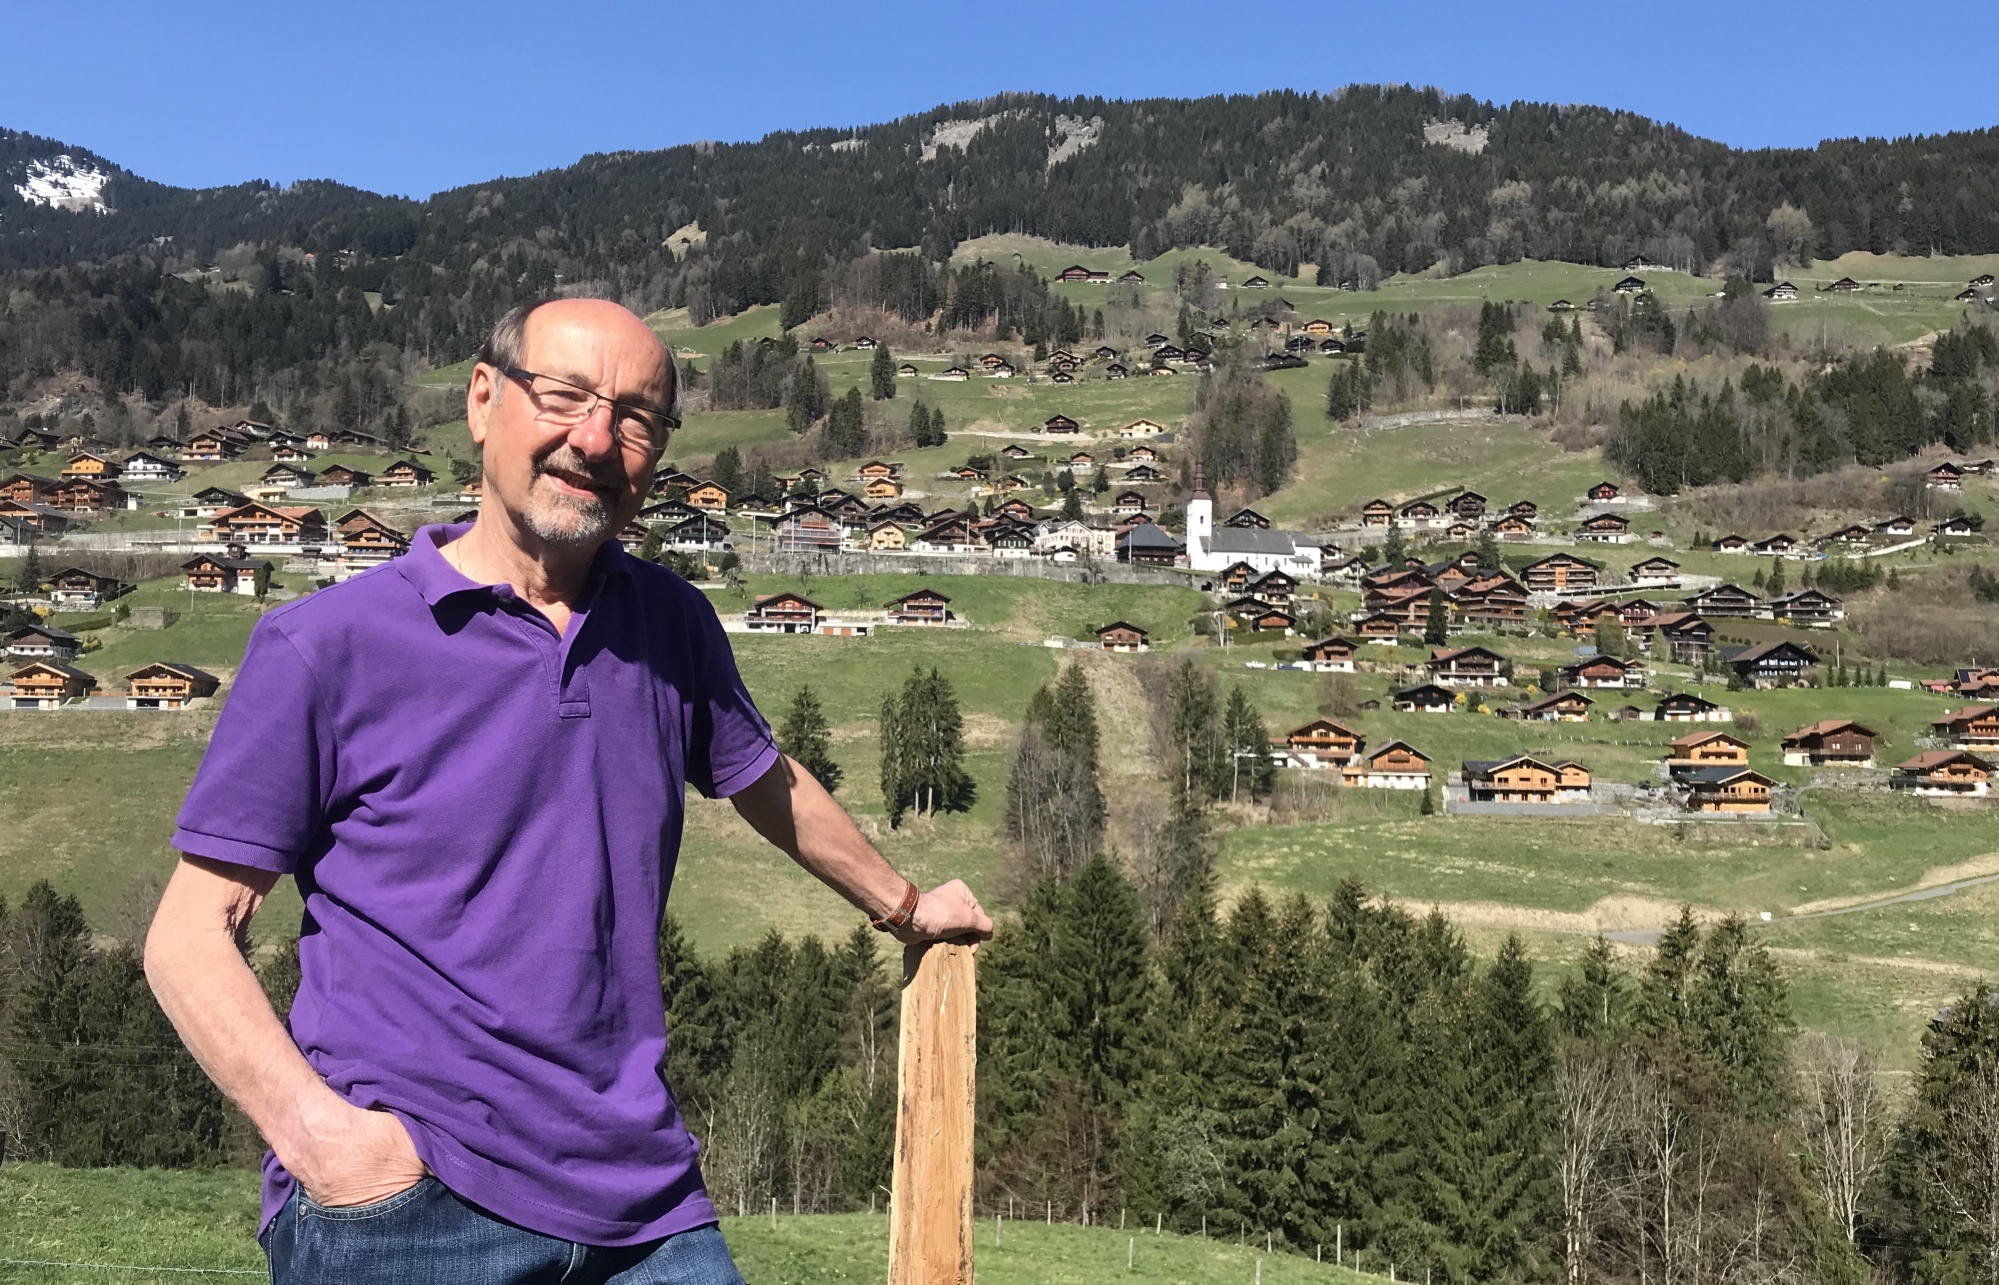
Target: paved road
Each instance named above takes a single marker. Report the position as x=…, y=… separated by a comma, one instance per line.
x=1650, y=936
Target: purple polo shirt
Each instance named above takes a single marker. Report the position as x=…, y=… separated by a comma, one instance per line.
x=483, y=820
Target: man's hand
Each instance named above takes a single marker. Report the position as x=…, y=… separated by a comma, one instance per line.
x=347, y=1156
x=947, y=913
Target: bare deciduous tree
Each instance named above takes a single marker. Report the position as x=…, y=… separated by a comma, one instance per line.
x=1591, y=1097
x=1842, y=1124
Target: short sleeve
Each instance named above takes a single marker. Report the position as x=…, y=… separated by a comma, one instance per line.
x=259, y=798
x=729, y=746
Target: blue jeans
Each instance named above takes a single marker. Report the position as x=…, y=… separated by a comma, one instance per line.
x=428, y=1236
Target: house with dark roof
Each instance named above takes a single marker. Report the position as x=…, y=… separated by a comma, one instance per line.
x=1772, y=664
x=1466, y=667
x=1147, y=544
x=1556, y=707
x=1334, y=655
x=1727, y=789
x=1686, y=707
x=167, y=685
x=1830, y=742
x=1397, y=765
x=1121, y=635
x=1424, y=698
x=1945, y=774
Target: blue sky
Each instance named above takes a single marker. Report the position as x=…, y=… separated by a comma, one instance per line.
x=416, y=97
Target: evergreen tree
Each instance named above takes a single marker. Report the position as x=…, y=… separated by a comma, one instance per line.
x=1054, y=807
x=1099, y=980
x=1437, y=629
x=1200, y=750
x=1488, y=551
x=653, y=545
x=1775, y=581
x=1507, y=1187
x=1594, y=1002
x=805, y=736
x=1394, y=547
x=924, y=768
x=1072, y=505
x=29, y=579
x=881, y=374
x=846, y=427
x=1248, y=745
x=728, y=470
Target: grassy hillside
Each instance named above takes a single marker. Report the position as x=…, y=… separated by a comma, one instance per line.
x=194, y=1222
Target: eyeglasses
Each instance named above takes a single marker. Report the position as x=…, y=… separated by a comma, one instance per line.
x=557, y=401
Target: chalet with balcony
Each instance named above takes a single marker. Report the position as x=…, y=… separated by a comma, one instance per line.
x=1603, y=672
x=1945, y=774
x=1896, y=526
x=1377, y=513
x=1525, y=779
x=30, y=521
x=42, y=642
x=165, y=685
x=1945, y=477
x=1605, y=528
x=288, y=476
x=207, y=573
x=1727, y=789
x=1556, y=707
x=1724, y=602
x=49, y=684
x=84, y=495
x=1491, y=601
x=1466, y=667
x=1331, y=655
x=1275, y=588
x=1417, y=513
x=1975, y=727
x=1121, y=635
x=1732, y=544
x=89, y=464
x=258, y=523
x=1320, y=744
x=887, y=537
x=1683, y=636
x=783, y=613
x=28, y=488
x=1129, y=504
x=1699, y=750
x=1397, y=765
x=1771, y=664
x=1830, y=742
x=144, y=466
x=366, y=540
x=213, y=446
x=78, y=587
x=1656, y=573
x=1603, y=493
x=1424, y=698
x=920, y=607
x=406, y=473
x=1560, y=573
x=1808, y=607
x=1685, y=707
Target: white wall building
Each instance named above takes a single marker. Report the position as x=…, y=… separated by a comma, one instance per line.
x=1211, y=549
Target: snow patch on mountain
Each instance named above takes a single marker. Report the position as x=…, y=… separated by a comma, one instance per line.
x=65, y=183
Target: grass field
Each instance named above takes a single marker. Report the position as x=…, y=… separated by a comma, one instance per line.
x=199, y=1222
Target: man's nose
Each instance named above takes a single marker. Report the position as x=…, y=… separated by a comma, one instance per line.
x=594, y=437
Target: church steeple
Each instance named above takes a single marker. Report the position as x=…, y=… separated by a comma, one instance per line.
x=1200, y=491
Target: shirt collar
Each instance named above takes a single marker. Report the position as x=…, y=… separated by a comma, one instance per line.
x=435, y=579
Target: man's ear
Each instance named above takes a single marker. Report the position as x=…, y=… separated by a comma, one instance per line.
x=481, y=396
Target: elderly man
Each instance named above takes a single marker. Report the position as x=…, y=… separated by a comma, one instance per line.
x=473, y=761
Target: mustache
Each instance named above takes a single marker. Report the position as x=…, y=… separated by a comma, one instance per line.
x=567, y=459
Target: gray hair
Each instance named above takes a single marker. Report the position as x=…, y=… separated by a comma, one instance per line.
x=506, y=342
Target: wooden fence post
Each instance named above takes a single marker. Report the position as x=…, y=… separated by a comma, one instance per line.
x=930, y=1215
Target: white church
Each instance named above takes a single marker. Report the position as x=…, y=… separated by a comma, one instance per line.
x=1212, y=548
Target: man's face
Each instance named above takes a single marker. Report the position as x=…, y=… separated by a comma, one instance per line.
x=571, y=485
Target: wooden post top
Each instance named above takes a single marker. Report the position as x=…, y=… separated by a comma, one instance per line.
x=930, y=1208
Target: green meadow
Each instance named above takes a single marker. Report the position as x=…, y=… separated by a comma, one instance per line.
x=93, y=1222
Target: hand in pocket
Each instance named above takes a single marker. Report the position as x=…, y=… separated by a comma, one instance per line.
x=355, y=1157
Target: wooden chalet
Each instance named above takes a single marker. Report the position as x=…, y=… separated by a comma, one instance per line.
x=1081, y=464
x=1656, y=573
x=1605, y=528
x=1727, y=789
x=1247, y=519
x=1771, y=664
x=289, y=476
x=1061, y=424
x=1417, y=513
x=1466, y=667
x=1275, y=588
x=1945, y=477
x=1603, y=493
x=1807, y=607
x=1491, y=601
x=1132, y=277
x=1512, y=526
x=1129, y=503
x=882, y=488
x=33, y=520
x=1559, y=573
x=1142, y=428
x=1120, y=635
x=920, y=607
x=1683, y=635
x=1380, y=626
x=1685, y=707
x=259, y=523
x=1077, y=272
x=809, y=528
x=1959, y=525
x=27, y=488
x=85, y=495
x=1830, y=742
x=708, y=496
x=213, y=446
x=368, y=540
x=783, y=613
x=165, y=685
x=865, y=344
x=1331, y=655
x=49, y=684
x=1780, y=545
x=81, y=587
x=1377, y=513
x=1945, y=774
x=1699, y=750
x=406, y=473
x=1732, y=544
x=1424, y=698
x=1525, y=779
x=1015, y=451
x=1975, y=727
x=42, y=642
x=89, y=464
x=1320, y=744
x=1397, y=765
x=1724, y=602
x=1555, y=707
x=1896, y=526
x=887, y=537
x=206, y=573
x=1603, y=672
x=1143, y=473
x=1782, y=292
x=346, y=475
